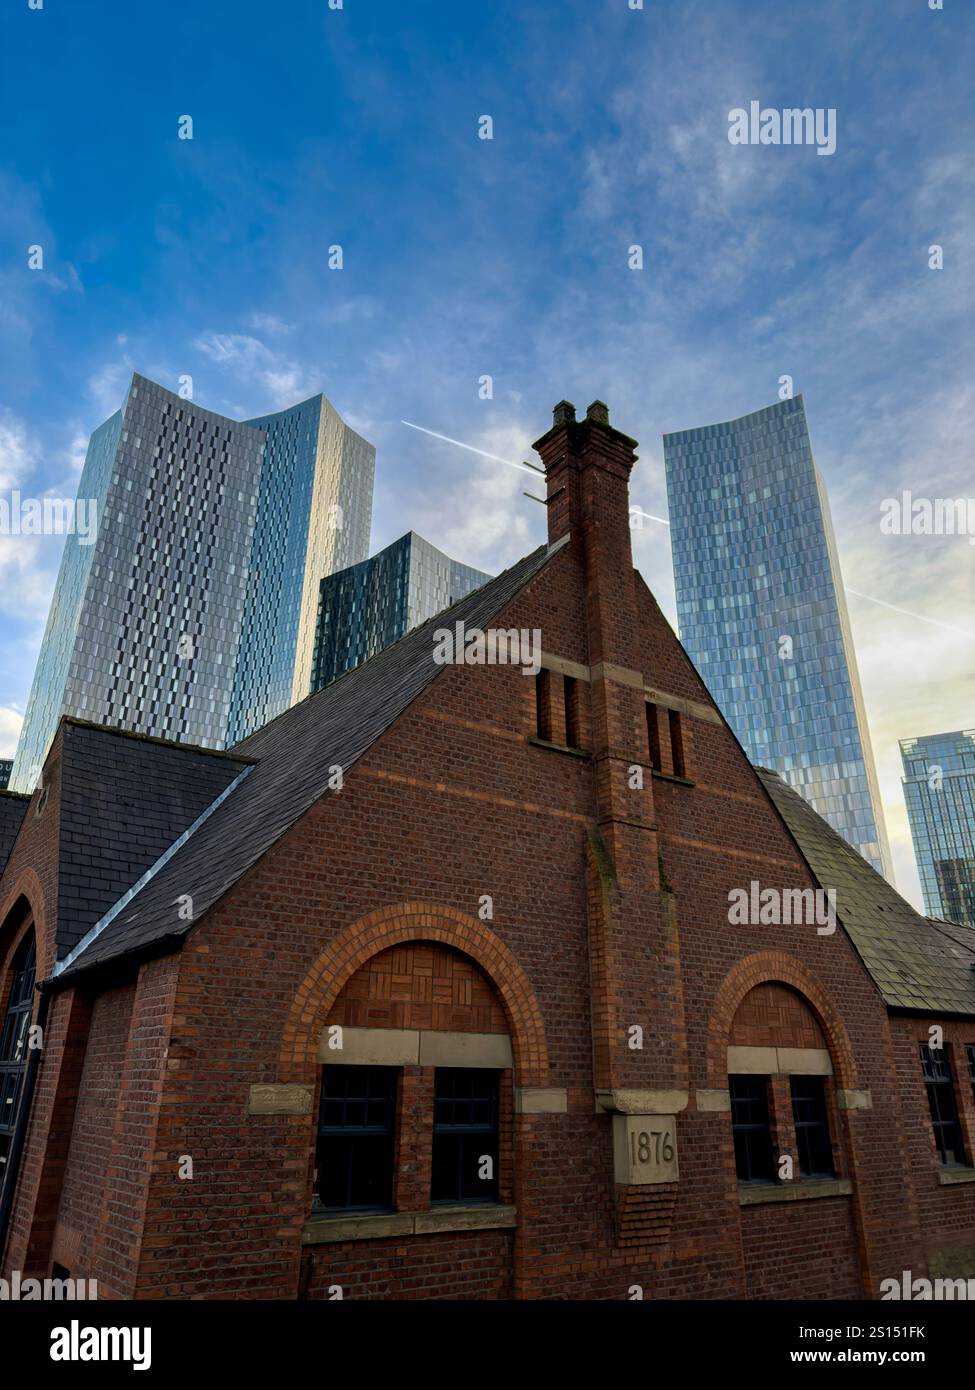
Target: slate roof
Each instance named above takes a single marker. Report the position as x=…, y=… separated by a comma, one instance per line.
x=12, y=808
x=916, y=962
x=124, y=800
x=292, y=757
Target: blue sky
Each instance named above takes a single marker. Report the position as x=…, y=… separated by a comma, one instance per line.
x=465, y=257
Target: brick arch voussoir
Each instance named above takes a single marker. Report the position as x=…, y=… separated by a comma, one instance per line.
x=766, y=967
x=27, y=888
x=392, y=926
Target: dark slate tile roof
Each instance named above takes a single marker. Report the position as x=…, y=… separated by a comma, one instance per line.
x=916, y=962
x=293, y=755
x=124, y=800
x=12, y=808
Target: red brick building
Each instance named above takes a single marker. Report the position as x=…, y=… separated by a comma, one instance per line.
x=432, y=988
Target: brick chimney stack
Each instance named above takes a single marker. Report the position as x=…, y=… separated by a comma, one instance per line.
x=633, y=942
x=587, y=469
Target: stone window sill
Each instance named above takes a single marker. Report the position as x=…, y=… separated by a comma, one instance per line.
x=749, y=1196
x=320, y=1230
x=559, y=747
x=672, y=777
x=949, y=1176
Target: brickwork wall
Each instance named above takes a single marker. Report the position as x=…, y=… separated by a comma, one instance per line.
x=453, y=803
x=947, y=1210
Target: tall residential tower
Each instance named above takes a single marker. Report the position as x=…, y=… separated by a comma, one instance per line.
x=191, y=613
x=762, y=612
x=939, y=788
x=368, y=606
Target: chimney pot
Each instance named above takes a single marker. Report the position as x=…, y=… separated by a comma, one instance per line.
x=598, y=411
x=564, y=413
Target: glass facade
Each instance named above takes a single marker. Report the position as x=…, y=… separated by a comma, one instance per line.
x=314, y=517
x=364, y=608
x=939, y=788
x=186, y=617
x=762, y=612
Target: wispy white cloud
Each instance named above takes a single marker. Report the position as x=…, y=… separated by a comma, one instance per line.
x=107, y=386
x=10, y=725
x=249, y=362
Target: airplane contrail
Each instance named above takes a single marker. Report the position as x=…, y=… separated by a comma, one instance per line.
x=527, y=468
x=908, y=613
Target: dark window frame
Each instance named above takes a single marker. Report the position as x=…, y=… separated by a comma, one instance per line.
x=751, y=1129
x=14, y=1030
x=810, y=1118
x=461, y=1139
x=355, y=1152
x=939, y=1085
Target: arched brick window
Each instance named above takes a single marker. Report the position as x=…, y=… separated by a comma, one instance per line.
x=18, y=1003
x=780, y=1077
x=415, y=1108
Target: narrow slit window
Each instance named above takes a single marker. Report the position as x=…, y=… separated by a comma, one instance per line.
x=676, y=743
x=543, y=706
x=571, y=688
x=653, y=734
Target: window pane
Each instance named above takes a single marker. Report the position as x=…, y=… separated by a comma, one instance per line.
x=812, y=1127
x=355, y=1137
x=936, y=1070
x=13, y=1042
x=465, y=1136
x=751, y=1128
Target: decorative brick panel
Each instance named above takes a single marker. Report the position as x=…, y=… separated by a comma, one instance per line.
x=645, y=1214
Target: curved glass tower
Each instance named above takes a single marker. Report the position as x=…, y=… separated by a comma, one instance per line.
x=762, y=612
x=191, y=613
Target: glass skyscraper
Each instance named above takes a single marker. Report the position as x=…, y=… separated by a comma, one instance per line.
x=368, y=606
x=762, y=611
x=939, y=788
x=191, y=614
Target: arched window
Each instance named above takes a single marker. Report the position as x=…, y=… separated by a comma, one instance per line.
x=780, y=1078
x=13, y=1041
x=415, y=1107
